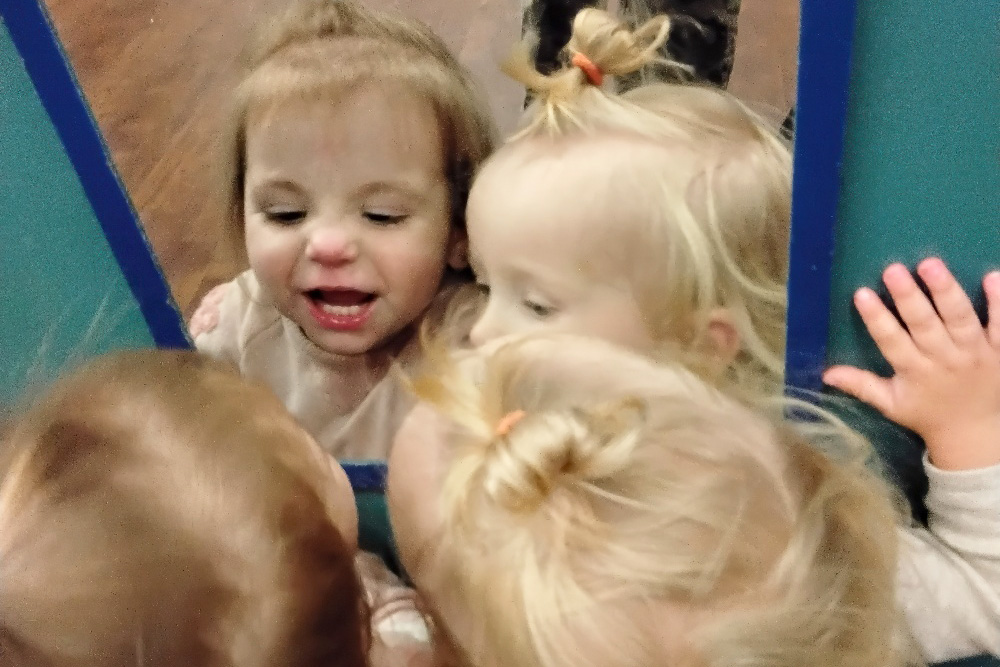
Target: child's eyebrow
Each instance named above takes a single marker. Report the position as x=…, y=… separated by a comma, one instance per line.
x=283, y=185
x=415, y=189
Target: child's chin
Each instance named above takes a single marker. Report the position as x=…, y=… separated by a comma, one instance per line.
x=345, y=344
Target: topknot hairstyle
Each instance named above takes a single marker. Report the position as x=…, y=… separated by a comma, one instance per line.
x=635, y=516
x=698, y=202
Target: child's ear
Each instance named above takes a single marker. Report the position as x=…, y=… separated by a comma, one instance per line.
x=722, y=338
x=458, y=250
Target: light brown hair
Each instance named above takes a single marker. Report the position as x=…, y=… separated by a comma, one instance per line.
x=156, y=509
x=320, y=50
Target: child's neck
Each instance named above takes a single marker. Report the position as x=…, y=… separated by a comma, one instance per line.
x=353, y=376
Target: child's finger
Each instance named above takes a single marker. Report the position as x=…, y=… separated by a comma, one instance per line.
x=927, y=331
x=891, y=339
x=951, y=301
x=991, y=285
x=863, y=385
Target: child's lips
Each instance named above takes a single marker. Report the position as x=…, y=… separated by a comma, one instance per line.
x=340, y=309
x=340, y=296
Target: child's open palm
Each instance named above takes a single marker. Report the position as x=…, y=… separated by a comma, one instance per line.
x=946, y=385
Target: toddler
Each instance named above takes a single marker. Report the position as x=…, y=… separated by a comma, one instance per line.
x=354, y=139
x=596, y=508
x=155, y=509
x=659, y=218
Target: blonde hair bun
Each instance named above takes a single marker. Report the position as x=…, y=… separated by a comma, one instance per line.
x=612, y=46
x=546, y=451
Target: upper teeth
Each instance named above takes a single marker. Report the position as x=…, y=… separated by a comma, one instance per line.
x=342, y=310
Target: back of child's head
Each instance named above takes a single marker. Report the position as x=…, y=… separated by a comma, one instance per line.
x=155, y=509
x=596, y=509
x=680, y=190
x=321, y=51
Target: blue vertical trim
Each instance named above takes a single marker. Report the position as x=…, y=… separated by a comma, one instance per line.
x=366, y=475
x=826, y=39
x=35, y=39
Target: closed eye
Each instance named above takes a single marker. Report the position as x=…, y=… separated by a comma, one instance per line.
x=285, y=216
x=539, y=309
x=382, y=218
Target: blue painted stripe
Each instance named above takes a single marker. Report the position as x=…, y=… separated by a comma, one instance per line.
x=827, y=35
x=34, y=37
x=366, y=475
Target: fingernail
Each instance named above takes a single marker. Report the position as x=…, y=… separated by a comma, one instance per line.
x=864, y=294
x=992, y=280
x=931, y=267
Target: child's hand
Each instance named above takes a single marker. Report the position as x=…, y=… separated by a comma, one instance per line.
x=946, y=385
x=401, y=634
x=206, y=316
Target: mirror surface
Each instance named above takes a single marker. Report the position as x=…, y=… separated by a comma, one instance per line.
x=157, y=75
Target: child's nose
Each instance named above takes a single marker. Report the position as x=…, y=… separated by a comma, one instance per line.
x=332, y=245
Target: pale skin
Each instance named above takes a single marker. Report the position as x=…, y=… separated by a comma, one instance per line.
x=349, y=202
x=528, y=224
x=946, y=382
x=532, y=225
x=347, y=215
x=522, y=248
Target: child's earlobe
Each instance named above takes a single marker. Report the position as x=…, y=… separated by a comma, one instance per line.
x=723, y=338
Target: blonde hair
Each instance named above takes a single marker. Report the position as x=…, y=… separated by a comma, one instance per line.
x=702, y=225
x=631, y=506
x=323, y=49
x=156, y=509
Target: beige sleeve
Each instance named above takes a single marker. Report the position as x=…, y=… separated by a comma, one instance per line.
x=223, y=340
x=949, y=576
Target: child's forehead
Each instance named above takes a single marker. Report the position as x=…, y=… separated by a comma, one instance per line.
x=586, y=152
x=375, y=134
x=586, y=173
x=402, y=103
x=575, y=193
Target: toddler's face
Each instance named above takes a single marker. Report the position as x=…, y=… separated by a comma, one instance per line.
x=531, y=222
x=348, y=214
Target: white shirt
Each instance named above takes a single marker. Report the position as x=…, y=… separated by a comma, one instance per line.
x=949, y=573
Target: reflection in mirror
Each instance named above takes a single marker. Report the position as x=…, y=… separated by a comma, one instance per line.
x=158, y=75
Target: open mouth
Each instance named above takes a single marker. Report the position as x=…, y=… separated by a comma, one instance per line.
x=340, y=302
x=340, y=309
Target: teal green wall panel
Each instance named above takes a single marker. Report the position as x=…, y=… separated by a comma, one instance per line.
x=921, y=170
x=63, y=295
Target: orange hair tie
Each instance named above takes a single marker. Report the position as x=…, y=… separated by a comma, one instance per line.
x=509, y=421
x=593, y=72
